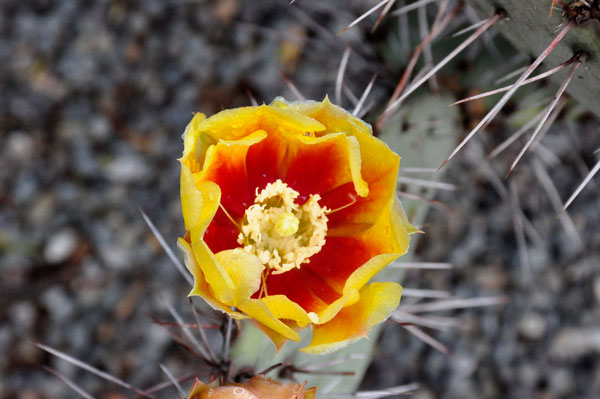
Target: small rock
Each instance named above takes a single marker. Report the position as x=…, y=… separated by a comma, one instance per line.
x=42, y=209
x=60, y=246
x=83, y=160
x=542, y=299
x=19, y=146
x=26, y=186
x=491, y=278
x=573, y=343
x=92, y=272
x=48, y=85
x=127, y=169
x=532, y=326
x=562, y=382
x=529, y=375
x=23, y=315
x=464, y=365
x=99, y=128
x=70, y=129
x=57, y=303
x=116, y=257
x=79, y=337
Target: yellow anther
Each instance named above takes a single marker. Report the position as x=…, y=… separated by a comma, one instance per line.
x=287, y=224
x=271, y=228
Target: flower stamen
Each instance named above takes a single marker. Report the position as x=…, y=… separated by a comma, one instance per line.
x=354, y=201
x=229, y=216
x=281, y=233
x=263, y=286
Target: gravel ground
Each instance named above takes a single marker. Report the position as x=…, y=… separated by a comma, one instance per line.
x=95, y=96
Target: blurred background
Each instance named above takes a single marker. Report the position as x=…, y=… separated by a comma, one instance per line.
x=95, y=97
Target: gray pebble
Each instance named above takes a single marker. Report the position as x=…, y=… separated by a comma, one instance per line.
x=532, y=325
x=19, y=146
x=127, y=169
x=59, y=305
x=60, y=246
x=562, y=381
x=573, y=343
x=23, y=315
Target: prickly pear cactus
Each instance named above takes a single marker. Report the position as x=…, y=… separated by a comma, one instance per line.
x=530, y=28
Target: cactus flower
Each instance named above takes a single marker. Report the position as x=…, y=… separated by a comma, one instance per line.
x=289, y=210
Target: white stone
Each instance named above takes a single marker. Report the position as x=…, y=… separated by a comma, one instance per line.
x=19, y=146
x=532, y=326
x=573, y=343
x=60, y=246
x=127, y=169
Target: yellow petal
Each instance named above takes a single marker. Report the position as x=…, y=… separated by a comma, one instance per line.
x=410, y=229
x=190, y=136
x=334, y=118
x=257, y=310
x=289, y=119
x=399, y=231
x=354, y=283
x=252, y=138
x=199, y=204
x=197, y=142
x=360, y=185
x=277, y=339
x=283, y=308
x=245, y=271
x=389, y=231
x=215, y=274
x=232, y=124
x=379, y=168
x=201, y=288
x=389, y=236
x=377, y=301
